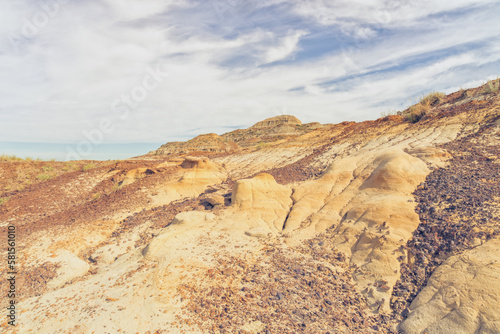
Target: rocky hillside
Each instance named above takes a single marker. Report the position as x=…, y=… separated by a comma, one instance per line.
x=211, y=143
x=383, y=226
x=273, y=130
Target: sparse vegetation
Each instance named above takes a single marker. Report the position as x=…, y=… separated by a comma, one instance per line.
x=388, y=113
x=116, y=185
x=417, y=111
x=262, y=145
x=26, y=172
x=68, y=166
x=44, y=176
x=12, y=157
x=88, y=167
x=96, y=196
x=432, y=98
x=47, y=174
x=3, y=200
x=7, y=157
x=492, y=86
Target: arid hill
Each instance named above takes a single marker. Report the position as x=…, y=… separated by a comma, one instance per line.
x=211, y=142
x=382, y=226
x=273, y=130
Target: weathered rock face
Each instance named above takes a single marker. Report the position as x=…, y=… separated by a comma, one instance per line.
x=260, y=203
x=135, y=174
x=277, y=121
x=269, y=130
x=197, y=163
x=462, y=296
x=197, y=174
x=211, y=142
x=367, y=201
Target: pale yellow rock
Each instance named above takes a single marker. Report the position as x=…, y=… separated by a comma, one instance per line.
x=198, y=162
x=259, y=202
x=71, y=266
x=254, y=327
x=257, y=232
x=366, y=199
x=198, y=174
x=397, y=172
x=136, y=174
x=462, y=295
x=184, y=225
x=215, y=199
x=433, y=156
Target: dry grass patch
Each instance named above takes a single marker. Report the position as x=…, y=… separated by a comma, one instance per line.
x=88, y=167
x=492, y=86
x=416, y=112
x=12, y=157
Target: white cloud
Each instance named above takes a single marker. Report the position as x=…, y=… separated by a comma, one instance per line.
x=128, y=10
x=286, y=48
x=379, y=12
x=94, y=51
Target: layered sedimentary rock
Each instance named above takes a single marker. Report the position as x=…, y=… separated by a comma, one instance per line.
x=277, y=121
x=203, y=143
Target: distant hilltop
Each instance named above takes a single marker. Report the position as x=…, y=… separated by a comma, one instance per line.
x=269, y=130
x=277, y=121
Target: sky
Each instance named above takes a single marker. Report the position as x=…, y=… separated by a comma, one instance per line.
x=90, y=73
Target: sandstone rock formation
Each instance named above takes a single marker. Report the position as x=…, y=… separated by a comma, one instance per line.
x=260, y=202
x=198, y=173
x=367, y=200
x=135, y=174
x=462, y=296
x=277, y=121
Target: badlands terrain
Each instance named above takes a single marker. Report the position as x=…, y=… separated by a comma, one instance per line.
x=383, y=226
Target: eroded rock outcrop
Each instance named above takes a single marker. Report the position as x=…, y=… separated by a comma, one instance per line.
x=197, y=174
x=369, y=204
x=462, y=296
x=203, y=143
x=260, y=204
x=277, y=121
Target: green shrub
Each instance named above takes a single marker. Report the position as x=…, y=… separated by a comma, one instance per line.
x=3, y=200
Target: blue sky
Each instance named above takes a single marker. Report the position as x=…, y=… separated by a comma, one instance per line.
x=121, y=71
